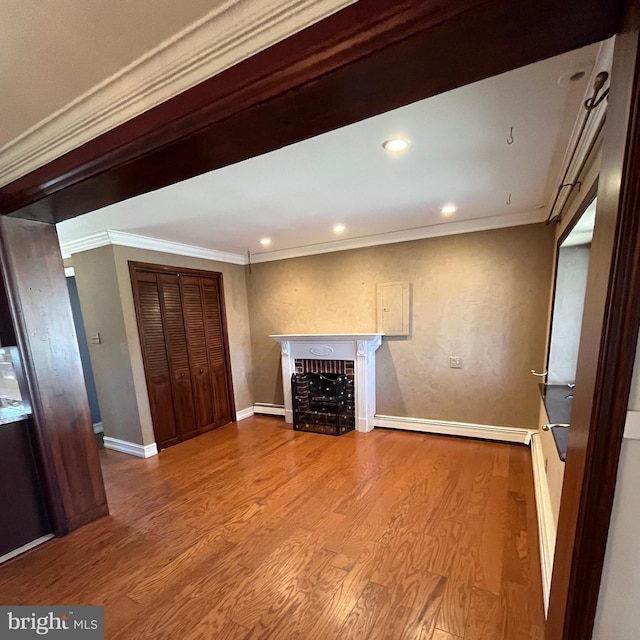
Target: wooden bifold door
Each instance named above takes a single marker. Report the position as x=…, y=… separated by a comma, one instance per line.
x=182, y=326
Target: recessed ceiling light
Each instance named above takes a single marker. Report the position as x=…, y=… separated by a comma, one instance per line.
x=339, y=228
x=395, y=145
x=265, y=242
x=448, y=209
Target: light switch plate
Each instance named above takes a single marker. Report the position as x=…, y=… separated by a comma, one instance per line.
x=455, y=362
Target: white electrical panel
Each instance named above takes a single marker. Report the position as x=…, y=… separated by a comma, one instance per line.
x=393, y=308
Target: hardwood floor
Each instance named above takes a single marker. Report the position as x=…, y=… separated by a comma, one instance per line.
x=256, y=531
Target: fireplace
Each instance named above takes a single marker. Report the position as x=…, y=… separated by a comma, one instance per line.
x=346, y=359
x=323, y=402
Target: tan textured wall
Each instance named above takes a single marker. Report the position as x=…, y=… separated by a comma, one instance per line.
x=99, y=300
x=483, y=296
x=106, y=299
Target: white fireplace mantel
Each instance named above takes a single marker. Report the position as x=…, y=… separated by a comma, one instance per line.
x=359, y=347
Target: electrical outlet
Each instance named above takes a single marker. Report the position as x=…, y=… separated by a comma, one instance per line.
x=455, y=362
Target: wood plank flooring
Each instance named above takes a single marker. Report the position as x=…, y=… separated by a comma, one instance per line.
x=257, y=531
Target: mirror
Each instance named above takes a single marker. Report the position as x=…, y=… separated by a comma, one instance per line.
x=568, y=304
x=572, y=268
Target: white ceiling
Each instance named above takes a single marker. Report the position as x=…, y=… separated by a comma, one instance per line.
x=55, y=50
x=458, y=153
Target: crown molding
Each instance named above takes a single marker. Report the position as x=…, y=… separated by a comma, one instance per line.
x=433, y=231
x=123, y=239
x=603, y=62
x=87, y=243
x=227, y=35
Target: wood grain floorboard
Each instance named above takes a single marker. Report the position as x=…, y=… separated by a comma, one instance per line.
x=255, y=531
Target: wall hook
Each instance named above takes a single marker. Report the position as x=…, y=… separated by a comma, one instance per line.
x=509, y=199
x=510, y=138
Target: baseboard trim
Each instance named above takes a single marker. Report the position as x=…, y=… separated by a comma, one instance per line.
x=266, y=409
x=462, y=429
x=97, y=427
x=546, y=523
x=25, y=547
x=244, y=413
x=131, y=448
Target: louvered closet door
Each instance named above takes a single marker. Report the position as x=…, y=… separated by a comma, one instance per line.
x=155, y=358
x=192, y=306
x=211, y=296
x=176, y=339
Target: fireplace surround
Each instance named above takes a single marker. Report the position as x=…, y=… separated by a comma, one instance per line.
x=328, y=348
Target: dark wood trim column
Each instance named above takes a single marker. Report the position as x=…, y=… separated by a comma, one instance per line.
x=39, y=302
x=606, y=358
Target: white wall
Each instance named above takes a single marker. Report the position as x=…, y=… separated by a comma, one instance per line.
x=618, y=613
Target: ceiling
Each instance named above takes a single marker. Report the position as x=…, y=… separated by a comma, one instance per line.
x=458, y=154
x=55, y=50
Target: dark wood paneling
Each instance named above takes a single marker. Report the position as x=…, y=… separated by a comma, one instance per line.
x=606, y=358
x=23, y=513
x=372, y=56
x=63, y=431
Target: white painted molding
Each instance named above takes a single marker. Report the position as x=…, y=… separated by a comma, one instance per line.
x=123, y=239
x=263, y=408
x=420, y=233
x=93, y=241
x=244, y=413
x=133, y=449
x=546, y=523
x=604, y=60
x=463, y=429
x=69, y=272
x=359, y=347
x=97, y=427
x=632, y=425
x=25, y=547
x=230, y=33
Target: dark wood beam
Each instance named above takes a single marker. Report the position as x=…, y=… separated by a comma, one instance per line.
x=39, y=303
x=373, y=56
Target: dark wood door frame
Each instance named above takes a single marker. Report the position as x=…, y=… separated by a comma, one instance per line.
x=371, y=57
